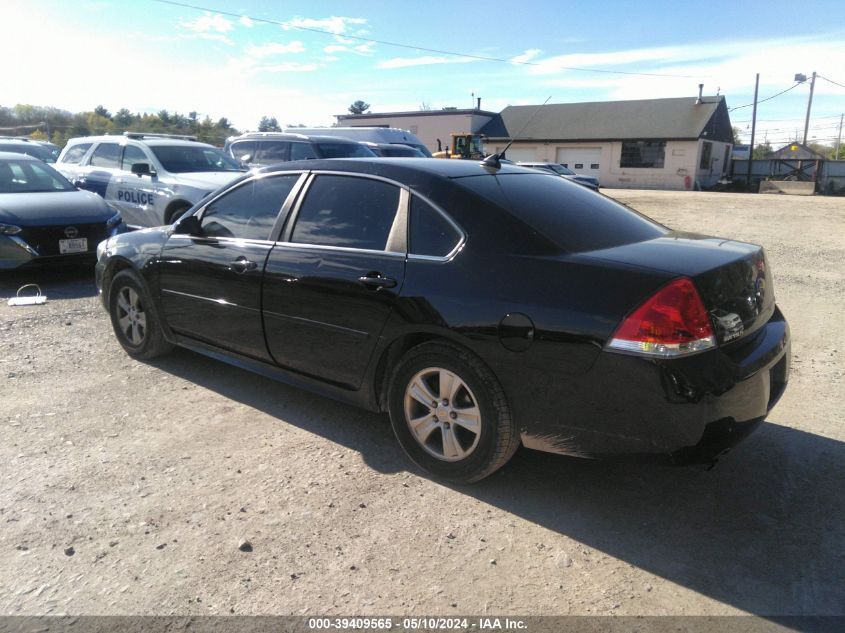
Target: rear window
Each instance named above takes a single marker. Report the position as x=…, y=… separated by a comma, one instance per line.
x=569, y=215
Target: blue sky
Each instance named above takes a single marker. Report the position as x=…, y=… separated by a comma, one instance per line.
x=148, y=56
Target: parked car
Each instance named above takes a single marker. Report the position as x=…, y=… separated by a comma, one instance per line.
x=588, y=181
x=389, y=135
x=394, y=150
x=151, y=179
x=481, y=307
x=43, y=218
x=259, y=149
x=27, y=147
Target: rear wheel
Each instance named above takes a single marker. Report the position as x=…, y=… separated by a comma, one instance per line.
x=449, y=413
x=134, y=318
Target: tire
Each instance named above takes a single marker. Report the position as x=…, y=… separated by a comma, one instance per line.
x=134, y=318
x=175, y=212
x=470, y=433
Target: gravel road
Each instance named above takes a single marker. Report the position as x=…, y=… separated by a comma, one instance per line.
x=131, y=488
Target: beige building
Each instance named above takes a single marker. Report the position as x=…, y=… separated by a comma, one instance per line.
x=680, y=143
x=427, y=125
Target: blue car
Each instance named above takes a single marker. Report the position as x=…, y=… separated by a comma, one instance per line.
x=44, y=218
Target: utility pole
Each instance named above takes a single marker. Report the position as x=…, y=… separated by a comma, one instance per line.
x=753, y=130
x=809, y=106
x=839, y=138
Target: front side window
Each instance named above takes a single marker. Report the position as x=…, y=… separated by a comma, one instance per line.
x=132, y=155
x=106, y=155
x=637, y=154
x=249, y=211
x=348, y=212
x=302, y=151
x=344, y=150
x=75, y=153
x=183, y=159
x=431, y=233
x=242, y=149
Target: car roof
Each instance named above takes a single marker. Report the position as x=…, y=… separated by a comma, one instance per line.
x=17, y=156
x=397, y=167
x=122, y=139
x=290, y=136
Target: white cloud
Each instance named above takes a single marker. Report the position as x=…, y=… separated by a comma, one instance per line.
x=289, y=67
x=527, y=56
x=208, y=22
x=335, y=24
x=423, y=60
x=246, y=21
x=275, y=48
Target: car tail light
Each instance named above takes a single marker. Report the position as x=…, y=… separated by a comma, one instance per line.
x=672, y=322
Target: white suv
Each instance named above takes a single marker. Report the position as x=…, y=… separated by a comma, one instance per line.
x=150, y=178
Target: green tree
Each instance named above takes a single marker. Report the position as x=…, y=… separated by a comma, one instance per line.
x=737, y=133
x=359, y=107
x=101, y=111
x=269, y=124
x=762, y=151
x=123, y=118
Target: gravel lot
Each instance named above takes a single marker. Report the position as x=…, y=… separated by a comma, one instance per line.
x=126, y=487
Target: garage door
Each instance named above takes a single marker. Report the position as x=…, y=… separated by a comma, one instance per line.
x=581, y=160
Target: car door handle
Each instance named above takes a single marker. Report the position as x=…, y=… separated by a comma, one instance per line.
x=376, y=280
x=242, y=264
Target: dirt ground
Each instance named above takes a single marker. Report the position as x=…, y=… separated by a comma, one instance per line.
x=126, y=487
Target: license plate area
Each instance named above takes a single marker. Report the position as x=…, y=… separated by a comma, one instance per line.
x=78, y=245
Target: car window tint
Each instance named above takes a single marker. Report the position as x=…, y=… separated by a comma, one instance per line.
x=270, y=152
x=30, y=177
x=249, y=211
x=344, y=150
x=346, y=211
x=301, y=151
x=131, y=155
x=568, y=214
x=240, y=149
x=431, y=233
x=106, y=155
x=75, y=153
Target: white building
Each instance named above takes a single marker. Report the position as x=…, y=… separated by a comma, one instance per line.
x=649, y=143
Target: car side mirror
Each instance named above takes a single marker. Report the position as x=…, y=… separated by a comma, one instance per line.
x=189, y=225
x=142, y=169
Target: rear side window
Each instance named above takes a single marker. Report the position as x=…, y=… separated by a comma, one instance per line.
x=348, y=212
x=302, y=151
x=344, y=150
x=270, y=152
x=568, y=214
x=431, y=234
x=75, y=153
x=106, y=155
x=249, y=211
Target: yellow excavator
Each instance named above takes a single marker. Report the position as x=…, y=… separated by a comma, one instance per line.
x=464, y=145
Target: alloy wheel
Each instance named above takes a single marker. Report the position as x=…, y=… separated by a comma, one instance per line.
x=131, y=316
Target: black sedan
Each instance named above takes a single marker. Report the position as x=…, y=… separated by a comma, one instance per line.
x=482, y=307
x=44, y=218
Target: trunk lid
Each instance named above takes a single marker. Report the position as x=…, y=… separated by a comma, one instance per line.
x=732, y=277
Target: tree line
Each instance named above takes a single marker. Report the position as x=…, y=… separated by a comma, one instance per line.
x=57, y=125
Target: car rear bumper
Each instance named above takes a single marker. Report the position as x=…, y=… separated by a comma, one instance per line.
x=689, y=410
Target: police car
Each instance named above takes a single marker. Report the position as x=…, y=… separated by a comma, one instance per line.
x=150, y=178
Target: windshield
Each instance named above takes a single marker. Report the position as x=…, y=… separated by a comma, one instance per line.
x=28, y=176
x=184, y=159
x=343, y=150
x=30, y=149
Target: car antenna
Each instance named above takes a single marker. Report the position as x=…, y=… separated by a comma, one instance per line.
x=494, y=160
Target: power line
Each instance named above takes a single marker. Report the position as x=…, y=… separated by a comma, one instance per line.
x=413, y=46
x=738, y=107
x=832, y=82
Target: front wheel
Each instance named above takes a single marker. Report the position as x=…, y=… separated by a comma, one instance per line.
x=134, y=318
x=450, y=414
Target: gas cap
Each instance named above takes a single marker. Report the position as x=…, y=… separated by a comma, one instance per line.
x=516, y=332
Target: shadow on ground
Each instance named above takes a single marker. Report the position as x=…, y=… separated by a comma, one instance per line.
x=763, y=532
x=56, y=282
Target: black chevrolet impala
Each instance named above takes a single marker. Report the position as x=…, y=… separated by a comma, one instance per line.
x=483, y=308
